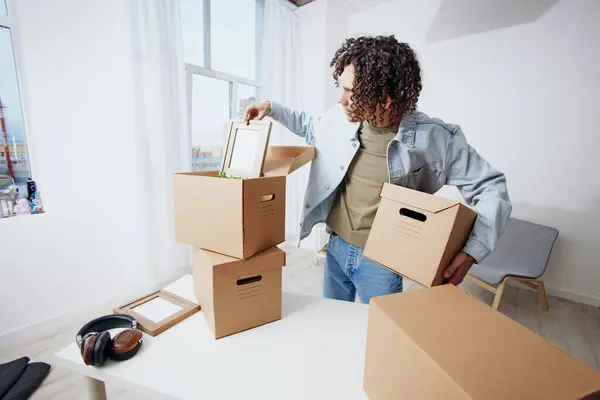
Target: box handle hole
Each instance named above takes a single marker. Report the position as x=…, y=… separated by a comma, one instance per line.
x=413, y=214
x=252, y=279
x=267, y=197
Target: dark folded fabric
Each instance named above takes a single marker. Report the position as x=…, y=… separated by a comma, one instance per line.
x=28, y=382
x=10, y=372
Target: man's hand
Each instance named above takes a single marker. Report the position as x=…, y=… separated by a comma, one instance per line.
x=459, y=267
x=257, y=111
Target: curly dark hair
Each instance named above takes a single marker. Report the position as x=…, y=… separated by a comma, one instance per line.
x=383, y=67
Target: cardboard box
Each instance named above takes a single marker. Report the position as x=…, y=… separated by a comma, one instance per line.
x=417, y=234
x=441, y=343
x=236, y=295
x=236, y=217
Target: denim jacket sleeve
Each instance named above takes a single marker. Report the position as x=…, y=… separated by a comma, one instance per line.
x=483, y=187
x=296, y=121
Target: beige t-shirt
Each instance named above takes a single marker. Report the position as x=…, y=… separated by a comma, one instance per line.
x=354, y=209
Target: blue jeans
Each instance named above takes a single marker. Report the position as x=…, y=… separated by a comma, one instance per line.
x=346, y=271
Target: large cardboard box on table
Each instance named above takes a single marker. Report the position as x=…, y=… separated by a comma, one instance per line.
x=237, y=217
x=416, y=234
x=235, y=294
x=441, y=343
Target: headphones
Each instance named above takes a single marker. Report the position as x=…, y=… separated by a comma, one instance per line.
x=96, y=345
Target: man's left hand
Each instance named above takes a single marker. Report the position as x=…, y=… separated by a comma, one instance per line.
x=459, y=267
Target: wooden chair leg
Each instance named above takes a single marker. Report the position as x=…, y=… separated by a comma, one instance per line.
x=481, y=283
x=499, y=292
x=541, y=288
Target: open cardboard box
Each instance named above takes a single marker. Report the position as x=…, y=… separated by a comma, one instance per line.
x=236, y=295
x=441, y=343
x=237, y=217
x=416, y=234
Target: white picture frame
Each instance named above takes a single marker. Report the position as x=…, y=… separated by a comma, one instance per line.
x=246, y=149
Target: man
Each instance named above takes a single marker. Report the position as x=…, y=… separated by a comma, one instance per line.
x=377, y=136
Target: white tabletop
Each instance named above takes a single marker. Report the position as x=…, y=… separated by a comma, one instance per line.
x=316, y=351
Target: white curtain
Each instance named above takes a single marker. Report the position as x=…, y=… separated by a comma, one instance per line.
x=159, y=87
x=281, y=73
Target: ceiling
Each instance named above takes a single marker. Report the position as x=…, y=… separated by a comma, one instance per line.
x=360, y=5
x=354, y=5
x=300, y=2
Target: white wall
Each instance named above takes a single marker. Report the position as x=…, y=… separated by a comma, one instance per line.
x=313, y=17
x=527, y=95
x=76, y=67
x=323, y=31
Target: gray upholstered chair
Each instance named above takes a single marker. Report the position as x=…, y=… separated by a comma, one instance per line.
x=521, y=254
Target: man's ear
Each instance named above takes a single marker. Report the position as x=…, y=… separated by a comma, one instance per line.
x=388, y=102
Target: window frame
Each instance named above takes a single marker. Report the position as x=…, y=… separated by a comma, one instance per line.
x=207, y=71
x=7, y=21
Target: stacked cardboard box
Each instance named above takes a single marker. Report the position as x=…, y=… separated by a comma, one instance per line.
x=234, y=226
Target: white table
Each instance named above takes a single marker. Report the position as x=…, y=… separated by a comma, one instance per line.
x=316, y=351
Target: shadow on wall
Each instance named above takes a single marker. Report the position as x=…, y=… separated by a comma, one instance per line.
x=457, y=18
x=575, y=260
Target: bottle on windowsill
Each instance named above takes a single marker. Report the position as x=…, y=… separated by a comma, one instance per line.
x=21, y=204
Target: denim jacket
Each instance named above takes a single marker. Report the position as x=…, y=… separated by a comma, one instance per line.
x=425, y=155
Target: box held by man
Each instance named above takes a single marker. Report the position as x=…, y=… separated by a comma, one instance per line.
x=416, y=234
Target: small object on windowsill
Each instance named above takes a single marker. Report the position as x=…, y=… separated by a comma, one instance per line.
x=7, y=193
x=6, y=208
x=31, y=187
x=21, y=204
x=35, y=203
x=14, y=203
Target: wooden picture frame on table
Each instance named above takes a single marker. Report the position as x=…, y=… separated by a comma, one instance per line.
x=246, y=149
x=152, y=327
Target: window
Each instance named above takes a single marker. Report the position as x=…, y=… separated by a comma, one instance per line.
x=246, y=95
x=14, y=157
x=192, y=15
x=209, y=116
x=233, y=37
x=222, y=51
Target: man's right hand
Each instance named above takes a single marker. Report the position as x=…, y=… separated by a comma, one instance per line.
x=257, y=111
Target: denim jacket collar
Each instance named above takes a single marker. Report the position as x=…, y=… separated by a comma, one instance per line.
x=407, y=131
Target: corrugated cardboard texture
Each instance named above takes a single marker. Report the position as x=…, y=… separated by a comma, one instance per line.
x=394, y=364
x=236, y=295
x=264, y=214
x=461, y=230
x=233, y=216
x=420, y=200
x=455, y=340
x=208, y=212
x=283, y=160
x=203, y=284
x=416, y=234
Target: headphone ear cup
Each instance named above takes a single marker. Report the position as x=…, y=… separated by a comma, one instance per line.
x=125, y=344
x=100, y=348
x=87, y=350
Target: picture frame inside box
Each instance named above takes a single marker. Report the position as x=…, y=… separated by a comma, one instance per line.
x=246, y=149
x=158, y=311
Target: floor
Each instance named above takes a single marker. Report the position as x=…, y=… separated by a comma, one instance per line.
x=573, y=326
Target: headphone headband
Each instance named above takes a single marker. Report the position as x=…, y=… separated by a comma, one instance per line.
x=105, y=323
